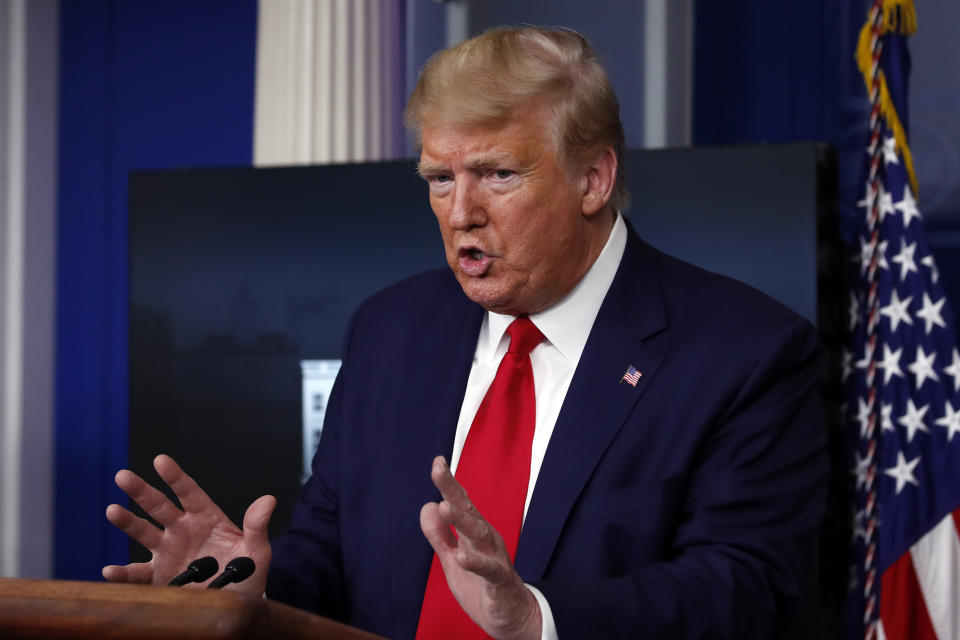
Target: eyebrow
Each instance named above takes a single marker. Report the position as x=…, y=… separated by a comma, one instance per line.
x=427, y=169
x=484, y=162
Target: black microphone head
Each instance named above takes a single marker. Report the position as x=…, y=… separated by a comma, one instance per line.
x=204, y=568
x=199, y=570
x=242, y=567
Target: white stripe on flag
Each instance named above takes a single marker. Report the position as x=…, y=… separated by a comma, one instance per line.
x=936, y=560
x=881, y=634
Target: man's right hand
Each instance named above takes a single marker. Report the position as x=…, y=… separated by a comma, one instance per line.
x=200, y=529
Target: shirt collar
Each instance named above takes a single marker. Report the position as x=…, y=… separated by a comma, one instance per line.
x=566, y=325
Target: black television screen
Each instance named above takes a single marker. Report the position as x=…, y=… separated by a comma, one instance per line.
x=243, y=280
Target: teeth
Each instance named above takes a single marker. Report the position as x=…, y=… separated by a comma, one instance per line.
x=476, y=254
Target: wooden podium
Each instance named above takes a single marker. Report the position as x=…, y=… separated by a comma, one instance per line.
x=92, y=610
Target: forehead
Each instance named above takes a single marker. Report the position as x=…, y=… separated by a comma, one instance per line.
x=525, y=134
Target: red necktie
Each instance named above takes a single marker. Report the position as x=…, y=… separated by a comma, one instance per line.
x=494, y=468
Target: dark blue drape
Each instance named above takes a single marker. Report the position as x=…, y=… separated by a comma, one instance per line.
x=143, y=85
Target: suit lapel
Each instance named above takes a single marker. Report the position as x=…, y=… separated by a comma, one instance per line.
x=429, y=411
x=597, y=402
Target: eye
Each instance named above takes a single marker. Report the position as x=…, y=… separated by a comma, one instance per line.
x=503, y=174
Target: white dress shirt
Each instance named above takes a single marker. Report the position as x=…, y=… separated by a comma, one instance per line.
x=566, y=327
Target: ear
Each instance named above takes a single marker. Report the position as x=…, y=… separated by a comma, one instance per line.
x=600, y=177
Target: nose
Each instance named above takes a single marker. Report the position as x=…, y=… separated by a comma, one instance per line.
x=466, y=210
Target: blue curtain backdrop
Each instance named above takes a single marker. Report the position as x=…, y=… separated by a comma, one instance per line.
x=143, y=85
x=768, y=71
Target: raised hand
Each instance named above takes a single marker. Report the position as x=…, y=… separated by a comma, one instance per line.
x=200, y=529
x=476, y=564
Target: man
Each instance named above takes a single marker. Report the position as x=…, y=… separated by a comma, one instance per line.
x=671, y=478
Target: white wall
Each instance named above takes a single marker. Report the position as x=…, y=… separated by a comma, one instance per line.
x=28, y=108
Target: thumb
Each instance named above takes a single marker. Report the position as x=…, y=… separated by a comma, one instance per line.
x=256, y=519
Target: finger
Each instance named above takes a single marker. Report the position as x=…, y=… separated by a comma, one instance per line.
x=494, y=568
x=256, y=521
x=450, y=489
x=188, y=492
x=459, y=511
x=471, y=526
x=136, y=527
x=455, y=499
x=436, y=530
x=151, y=500
x=141, y=573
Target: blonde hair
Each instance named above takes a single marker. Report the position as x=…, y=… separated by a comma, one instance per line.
x=485, y=79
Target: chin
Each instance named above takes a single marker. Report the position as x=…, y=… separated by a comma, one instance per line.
x=480, y=291
x=496, y=294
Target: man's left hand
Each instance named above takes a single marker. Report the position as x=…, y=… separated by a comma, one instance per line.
x=476, y=564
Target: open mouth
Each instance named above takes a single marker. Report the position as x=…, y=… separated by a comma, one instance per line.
x=473, y=261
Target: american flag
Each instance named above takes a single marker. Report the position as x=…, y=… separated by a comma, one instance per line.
x=902, y=373
x=632, y=376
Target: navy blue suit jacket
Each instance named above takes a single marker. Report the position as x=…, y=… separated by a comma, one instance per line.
x=687, y=506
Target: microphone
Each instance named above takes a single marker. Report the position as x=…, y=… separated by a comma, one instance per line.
x=199, y=570
x=237, y=570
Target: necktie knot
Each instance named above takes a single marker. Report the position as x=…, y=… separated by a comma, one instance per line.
x=524, y=336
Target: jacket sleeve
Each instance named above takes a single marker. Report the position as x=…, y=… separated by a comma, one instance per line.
x=748, y=521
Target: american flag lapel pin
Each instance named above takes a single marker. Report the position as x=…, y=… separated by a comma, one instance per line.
x=632, y=376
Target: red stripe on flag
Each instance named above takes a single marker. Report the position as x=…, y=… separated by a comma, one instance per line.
x=903, y=611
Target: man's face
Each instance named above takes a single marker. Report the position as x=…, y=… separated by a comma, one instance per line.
x=510, y=212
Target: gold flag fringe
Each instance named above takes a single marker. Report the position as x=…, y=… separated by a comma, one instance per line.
x=898, y=16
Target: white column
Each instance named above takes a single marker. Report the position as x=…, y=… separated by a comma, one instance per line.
x=458, y=21
x=28, y=102
x=340, y=80
x=12, y=258
x=667, y=68
x=325, y=81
